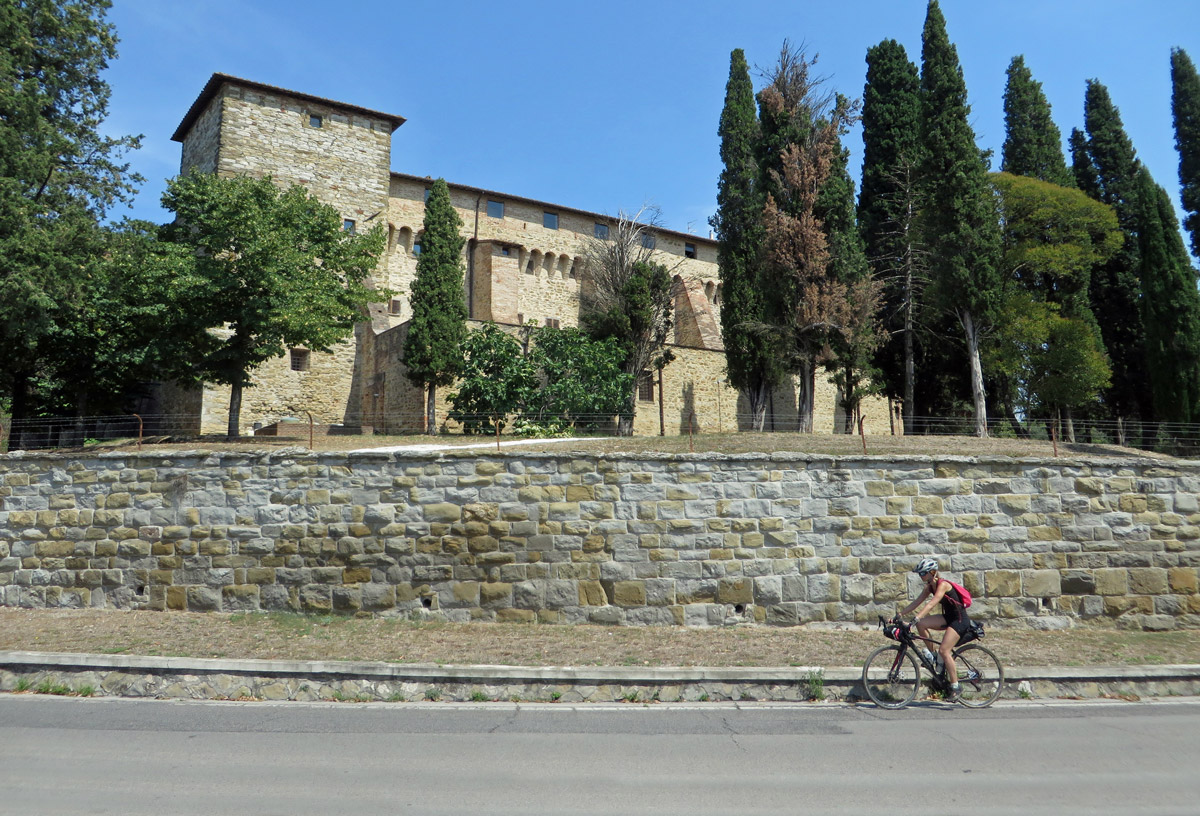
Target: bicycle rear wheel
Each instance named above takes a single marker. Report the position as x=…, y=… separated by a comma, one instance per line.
x=891, y=679
x=980, y=675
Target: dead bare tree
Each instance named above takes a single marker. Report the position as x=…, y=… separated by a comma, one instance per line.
x=627, y=294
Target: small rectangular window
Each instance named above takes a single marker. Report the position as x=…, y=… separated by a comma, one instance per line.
x=300, y=358
x=495, y=209
x=417, y=249
x=550, y=220
x=689, y=250
x=348, y=225
x=315, y=121
x=646, y=387
x=601, y=232
x=648, y=240
x=505, y=251
x=552, y=322
x=426, y=195
x=394, y=306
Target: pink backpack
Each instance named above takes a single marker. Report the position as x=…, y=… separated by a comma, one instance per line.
x=962, y=593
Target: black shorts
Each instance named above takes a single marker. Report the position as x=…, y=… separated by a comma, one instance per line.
x=959, y=622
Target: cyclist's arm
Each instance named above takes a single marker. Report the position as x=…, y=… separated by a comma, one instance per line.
x=924, y=594
x=935, y=600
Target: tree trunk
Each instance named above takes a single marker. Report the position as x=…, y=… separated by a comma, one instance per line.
x=1070, y=425
x=756, y=396
x=235, y=410
x=910, y=365
x=978, y=395
x=805, y=386
x=18, y=435
x=431, y=410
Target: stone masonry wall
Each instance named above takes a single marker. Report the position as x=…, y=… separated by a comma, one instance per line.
x=571, y=538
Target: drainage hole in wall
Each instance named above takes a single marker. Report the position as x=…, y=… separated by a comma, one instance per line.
x=427, y=602
x=739, y=609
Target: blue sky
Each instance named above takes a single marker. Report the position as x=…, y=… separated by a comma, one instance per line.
x=607, y=106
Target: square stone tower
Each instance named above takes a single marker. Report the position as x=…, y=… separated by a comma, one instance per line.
x=342, y=154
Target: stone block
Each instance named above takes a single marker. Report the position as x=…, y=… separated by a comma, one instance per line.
x=1148, y=581
x=1041, y=583
x=1182, y=580
x=1003, y=583
x=1078, y=582
x=1111, y=582
x=495, y=595
x=735, y=591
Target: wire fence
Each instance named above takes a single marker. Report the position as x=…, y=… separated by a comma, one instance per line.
x=41, y=433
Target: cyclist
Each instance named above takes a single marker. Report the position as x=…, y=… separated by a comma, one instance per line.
x=953, y=619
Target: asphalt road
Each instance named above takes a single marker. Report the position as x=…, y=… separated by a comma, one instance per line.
x=91, y=756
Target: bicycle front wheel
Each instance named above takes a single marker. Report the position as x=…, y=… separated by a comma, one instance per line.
x=891, y=678
x=980, y=675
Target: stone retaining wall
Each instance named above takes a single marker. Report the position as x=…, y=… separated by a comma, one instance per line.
x=624, y=539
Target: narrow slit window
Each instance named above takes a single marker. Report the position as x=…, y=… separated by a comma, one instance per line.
x=646, y=387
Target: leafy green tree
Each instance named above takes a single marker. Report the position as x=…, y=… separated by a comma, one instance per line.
x=58, y=174
x=1052, y=238
x=134, y=322
x=279, y=272
x=1185, y=106
x=1170, y=307
x=583, y=384
x=960, y=219
x=433, y=346
x=753, y=368
x=628, y=296
x=1068, y=369
x=1032, y=143
x=495, y=382
x=887, y=210
x=1107, y=168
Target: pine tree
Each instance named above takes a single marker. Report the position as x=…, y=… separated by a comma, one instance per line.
x=433, y=346
x=1033, y=143
x=753, y=368
x=1107, y=167
x=887, y=209
x=961, y=222
x=1185, y=105
x=58, y=175
x=1170, y=305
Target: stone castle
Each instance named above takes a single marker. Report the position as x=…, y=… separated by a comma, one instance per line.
x=523, y=261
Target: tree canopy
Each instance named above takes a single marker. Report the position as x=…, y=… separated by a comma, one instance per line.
x=279, y=271
x=58, y=174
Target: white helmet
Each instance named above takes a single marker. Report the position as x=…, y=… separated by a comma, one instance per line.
x=925, y=566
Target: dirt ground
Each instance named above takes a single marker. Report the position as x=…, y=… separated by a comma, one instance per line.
x=300, y=637
x=827, y=444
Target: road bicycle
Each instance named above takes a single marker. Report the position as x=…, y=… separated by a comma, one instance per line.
x=892, y=674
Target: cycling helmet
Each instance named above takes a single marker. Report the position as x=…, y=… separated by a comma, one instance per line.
x=925, y=566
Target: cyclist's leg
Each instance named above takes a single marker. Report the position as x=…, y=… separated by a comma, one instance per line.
x=930, y=623
x=946, y=651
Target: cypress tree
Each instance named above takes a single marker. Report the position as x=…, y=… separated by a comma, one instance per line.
x=433, y=346
x=960, y=216
x=1107, y=167
x=1033, y=143
x=1170, y=306
x=887, y=205
x=1085, y=174
x=1185, y=106
x=751, y=366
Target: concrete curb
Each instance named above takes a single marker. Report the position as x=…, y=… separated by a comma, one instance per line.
x=200, y=678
